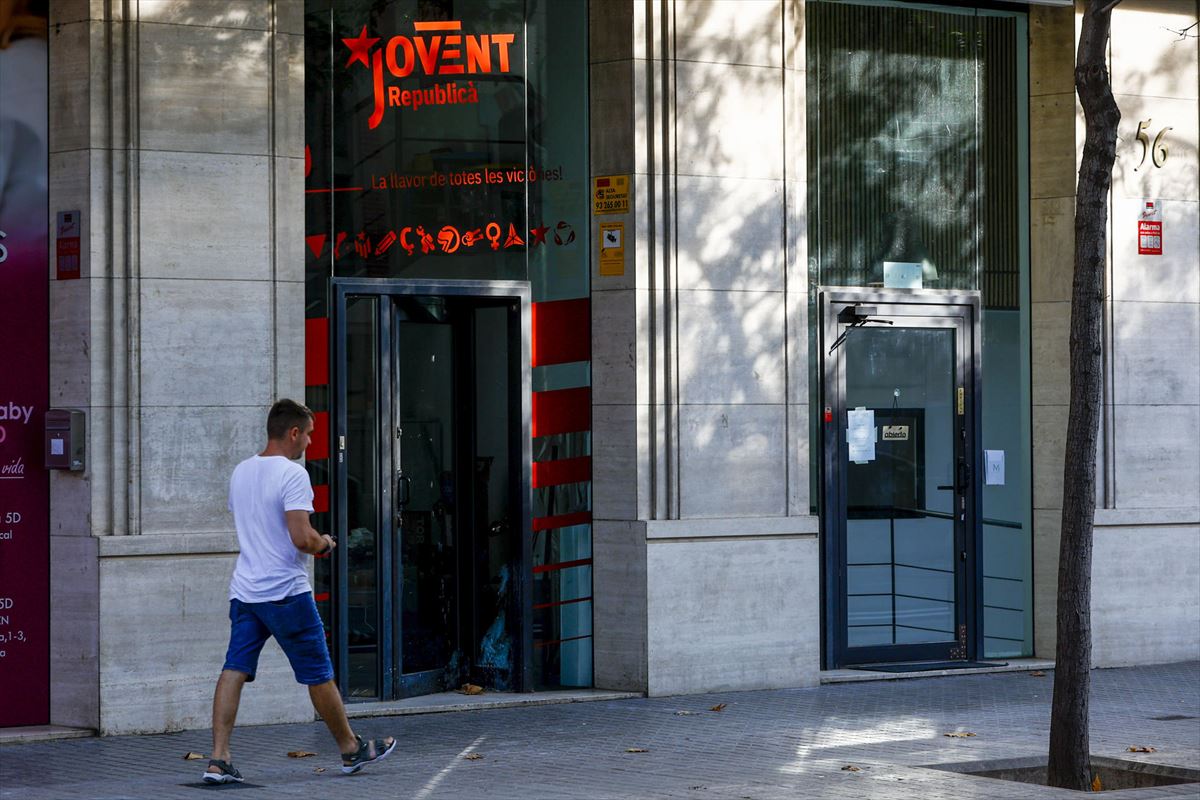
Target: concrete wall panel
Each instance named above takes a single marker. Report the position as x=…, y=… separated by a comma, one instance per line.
x=186, y=466
x=1179, y=176
x=1047, y=527
x=1150, y=57
x=611, y=97
x=289, y=343
x=1172, y=277
x=1052, y=144
x=1051, y=50
x=1158, y=457
x=205, y=216
x=74, y=631
x=1049, y=449
x=1050, y=328
x=738, y=613
x=163, y=634
x=732, y=461
x=615, y=472
x=729, y=31
x=289, y=219
x=203, y=89
x=1052, y=248
x=614, y=348
x=619, y=607
x=206, y=343
x=731, y=234
x=731, y=347
x=245, y=14
x=70, y=115
x=1167, y=373
x=1130, y=627
x=717, y=137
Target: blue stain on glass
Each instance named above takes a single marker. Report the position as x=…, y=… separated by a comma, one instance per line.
x=495, y=651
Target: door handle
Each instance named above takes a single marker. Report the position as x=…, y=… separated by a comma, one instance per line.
x=403, y=490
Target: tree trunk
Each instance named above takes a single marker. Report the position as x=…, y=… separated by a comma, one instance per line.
x=1069, y=764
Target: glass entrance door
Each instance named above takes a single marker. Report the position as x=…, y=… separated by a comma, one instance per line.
x=900, y=532
x=426, y=523
x=432, y=477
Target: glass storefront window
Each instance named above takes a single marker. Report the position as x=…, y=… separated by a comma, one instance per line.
x=447, y=140
x=918, y=166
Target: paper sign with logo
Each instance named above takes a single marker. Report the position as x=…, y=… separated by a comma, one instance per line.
x=1150, y=229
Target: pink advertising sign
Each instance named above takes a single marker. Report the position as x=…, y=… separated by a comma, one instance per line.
x=24, y=376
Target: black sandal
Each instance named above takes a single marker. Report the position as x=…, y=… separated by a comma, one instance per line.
x=353, y=762
x=227, y=774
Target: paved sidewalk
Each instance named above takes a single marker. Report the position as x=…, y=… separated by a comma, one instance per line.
x=772, y=744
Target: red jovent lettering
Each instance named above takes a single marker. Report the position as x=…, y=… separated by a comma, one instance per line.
x=431, y=50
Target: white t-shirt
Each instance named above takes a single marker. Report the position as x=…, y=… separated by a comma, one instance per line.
x=269, y=566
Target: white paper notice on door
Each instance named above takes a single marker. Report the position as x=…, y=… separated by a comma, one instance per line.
x=860, y=435
x=994, y=463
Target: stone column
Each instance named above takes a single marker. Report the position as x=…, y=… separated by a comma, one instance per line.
x=177, y=131
x=706, y=561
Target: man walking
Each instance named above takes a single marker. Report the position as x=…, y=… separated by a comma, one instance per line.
x=270, y=497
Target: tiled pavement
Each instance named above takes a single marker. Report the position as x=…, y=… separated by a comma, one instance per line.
x=771, y=744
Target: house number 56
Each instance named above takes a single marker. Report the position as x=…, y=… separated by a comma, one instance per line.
x=1158, y=150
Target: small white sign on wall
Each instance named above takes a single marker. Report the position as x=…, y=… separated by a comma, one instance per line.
x=902, y=274
x=994, y=467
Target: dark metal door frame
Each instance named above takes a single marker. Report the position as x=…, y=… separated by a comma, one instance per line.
x=520, y=454
x=960, y=309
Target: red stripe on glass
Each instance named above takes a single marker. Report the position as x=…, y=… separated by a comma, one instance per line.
x=564, y=470
x=579, y=562
x=561, y=520
x=323, y=597
x=318, y=448
x=562, y=331
x=316, y=351
x=562, y=411
x=320, y=498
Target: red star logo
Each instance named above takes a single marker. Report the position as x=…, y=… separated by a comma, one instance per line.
x=360, y=48
x=538, y=235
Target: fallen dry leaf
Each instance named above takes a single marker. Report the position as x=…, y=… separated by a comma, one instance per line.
x=719, y=707
x=851, y=768
x=636, y=750
x=959, y=734
x=473, y=756
x=319, y=770
x=1141, y=749
x=299, y=754
x=470, y=688
x=190, y=756
x=1037, y=673
x=1096, y=785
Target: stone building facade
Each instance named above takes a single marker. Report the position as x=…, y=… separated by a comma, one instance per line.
x=709, y=534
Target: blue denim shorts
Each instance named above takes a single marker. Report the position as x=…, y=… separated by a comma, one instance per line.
x=294, y=623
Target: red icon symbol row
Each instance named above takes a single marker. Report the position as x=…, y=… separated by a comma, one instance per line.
x=447, y=239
